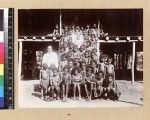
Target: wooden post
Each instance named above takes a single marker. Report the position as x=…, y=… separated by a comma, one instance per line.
x=98, y=48
x=133, y=62
x=20, y=60
x=60, y=23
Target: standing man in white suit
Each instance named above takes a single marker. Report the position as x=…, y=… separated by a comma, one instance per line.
x=50, y=57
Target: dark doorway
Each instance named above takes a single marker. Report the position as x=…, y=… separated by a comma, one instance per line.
x=30, y=70
x=121, y=53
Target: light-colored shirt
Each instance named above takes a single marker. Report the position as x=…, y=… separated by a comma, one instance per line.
x=50, y=58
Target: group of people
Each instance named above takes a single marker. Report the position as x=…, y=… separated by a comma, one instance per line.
x=80, y=74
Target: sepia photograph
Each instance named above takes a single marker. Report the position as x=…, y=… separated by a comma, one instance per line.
x=73, y=58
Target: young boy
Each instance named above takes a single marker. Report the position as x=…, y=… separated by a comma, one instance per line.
x=93, y=56
x=65, y=45
x=44, y=80
x=82, y=51
x=63, y=61
x=88, y=46
x=100, y=79
x=70, y=65
x=76, y=77
x=86, y=57
x=71, y=46
x=62, y=50
x=112, y=88
x=94, y=65
x=83, y=82
x=51, y=68
x=55, y=84
x=76, y=53
x=70, y=54
x=83, y=66
x=91, y=81
x=102, y=66
x=77, y=62
x=66, y=82
x=110, y=68
x=94, y=50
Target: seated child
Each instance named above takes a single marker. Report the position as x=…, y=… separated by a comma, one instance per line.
x=77, y=62
x=65, y=45
x=82, y=51
x=70, y=46
x=94, y=50
x=76, y=53
x=76, y=77
x=70, y=65
x=44, y=80
x=93, y=56
x=83, y=66
x=111, y=87
x=100, y=79
x=86, y=57
x=62, y=50
x=70, y=54
x=88, y=46
x=55, y=83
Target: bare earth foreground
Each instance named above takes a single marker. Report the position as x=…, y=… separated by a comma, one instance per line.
x=131, y=96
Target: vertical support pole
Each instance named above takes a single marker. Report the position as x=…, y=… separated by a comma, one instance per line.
x=98, y=49
x=20, y=60
x=60, y=23
x=133, y=62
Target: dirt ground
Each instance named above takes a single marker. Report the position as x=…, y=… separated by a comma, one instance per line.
x=131, y=96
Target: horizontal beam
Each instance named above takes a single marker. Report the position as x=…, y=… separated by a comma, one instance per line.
x=102, y=41
x=109, y=39
x=38, y=40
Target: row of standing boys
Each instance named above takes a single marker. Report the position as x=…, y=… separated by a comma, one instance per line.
x=81, y=74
